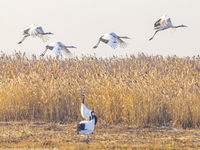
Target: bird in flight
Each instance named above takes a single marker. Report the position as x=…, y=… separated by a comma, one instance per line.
x=112, y=40
x=163, y=24
x=59, y=49
x=35, y=32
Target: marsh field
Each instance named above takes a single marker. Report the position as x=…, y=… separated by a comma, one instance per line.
x=142, y=102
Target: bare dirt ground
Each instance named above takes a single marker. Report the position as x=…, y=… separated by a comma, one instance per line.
x=46, y=135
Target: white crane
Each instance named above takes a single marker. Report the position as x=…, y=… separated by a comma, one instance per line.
x=163, y=24
x=35, y=32
x=59, y=49
x=112, y=40
x=86, y=127
x=85, y=112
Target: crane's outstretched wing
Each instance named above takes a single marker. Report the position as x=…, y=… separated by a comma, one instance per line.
x=40, y=35
x=32, y=32
x=169, y=20
x=57, y=49
x=110, y=40
x=39, y=30
x=67, y=53
x=161, y=22
x=122, y=44
x=43, y=38
x=113, y=43
x=172, y=30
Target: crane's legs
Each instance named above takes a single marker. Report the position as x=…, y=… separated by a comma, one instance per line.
x=87, y=139
x=44, y=52
x=154, y=35
x=23, y=39
x=97, y=44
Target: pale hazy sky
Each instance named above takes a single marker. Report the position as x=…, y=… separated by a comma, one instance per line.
x=81, y=22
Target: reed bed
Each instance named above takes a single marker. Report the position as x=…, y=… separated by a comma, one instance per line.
x=136, y=90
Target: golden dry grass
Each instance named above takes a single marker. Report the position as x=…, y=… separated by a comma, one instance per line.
x=50, y=135
x=134, y=90
x=127, y=95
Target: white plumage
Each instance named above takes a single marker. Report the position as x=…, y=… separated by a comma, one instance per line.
x=59, y=49
x=85, y=112
x=35, y=32
x=86, y=127
x=163, y=24
x=112, y=40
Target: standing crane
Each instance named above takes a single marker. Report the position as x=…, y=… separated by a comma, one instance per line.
x=86, y=127
x=85, y=112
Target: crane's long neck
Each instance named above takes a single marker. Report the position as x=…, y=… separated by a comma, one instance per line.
x=46, y=33
x=124, y=37
x=83, y=99
x=70, y=47
x=92, y=118
x=179, y=26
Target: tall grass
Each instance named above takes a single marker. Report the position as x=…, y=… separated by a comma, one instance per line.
x=134, y=90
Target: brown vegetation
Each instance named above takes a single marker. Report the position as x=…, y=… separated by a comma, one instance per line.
x=50, y=135
x=137, y=91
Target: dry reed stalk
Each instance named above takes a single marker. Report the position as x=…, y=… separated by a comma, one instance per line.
x=138, y=90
